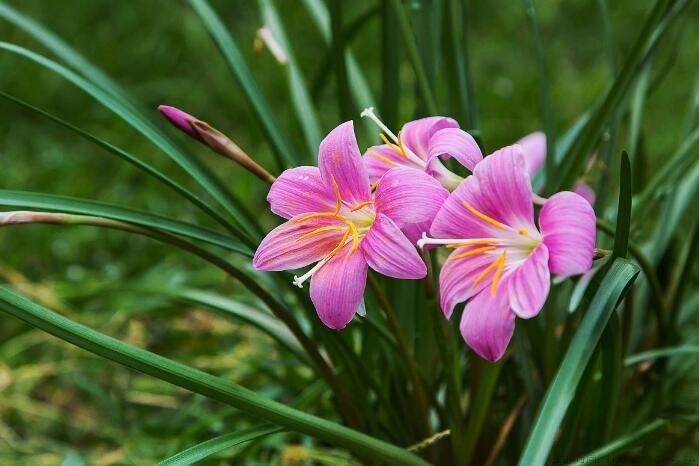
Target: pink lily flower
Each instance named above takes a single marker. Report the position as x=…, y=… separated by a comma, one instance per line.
x=501, y=264
x=336, y=221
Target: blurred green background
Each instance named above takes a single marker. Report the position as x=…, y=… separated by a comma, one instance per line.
x=59, y=404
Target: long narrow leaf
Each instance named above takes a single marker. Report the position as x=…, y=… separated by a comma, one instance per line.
x=661, y=353
x=200, y=382
x=623, y=219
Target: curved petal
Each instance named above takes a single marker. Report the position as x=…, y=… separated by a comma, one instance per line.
x=568, y=227
x=534, y=150
x=529, y=285
x=457, y=143
x=487, y=324
x=453, y=219
x=339, y=159
x=458, y=275
x=417, y=133
x=338, y=286
x=583, y=189
x=414, y=231
x=300, y=190
x=388, y=251
x=297, y=243
x=409, y=196
x=379, y=159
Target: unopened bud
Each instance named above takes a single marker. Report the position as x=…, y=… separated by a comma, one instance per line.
x=179, y=119
x=599, y=253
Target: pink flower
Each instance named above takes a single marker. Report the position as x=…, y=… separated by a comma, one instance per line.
x=502, y=262
x=336, y=221
x=179, y=119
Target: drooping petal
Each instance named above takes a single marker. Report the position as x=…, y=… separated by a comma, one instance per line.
x=339, y=159
x=409, y=196
x=459, y=274
x=338, y=286
x=389, y=252
x=457, y=143
x=300, y=190
x=534, y=150
x=487, y=324
x=529, y=284
x=568, y=228
x=583, y=189
x=379, y=159
x=297, y=243
x=417, y=133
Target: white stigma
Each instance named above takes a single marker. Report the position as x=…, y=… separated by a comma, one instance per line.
x=298, y=281
x=369, y=113
x=421, y=242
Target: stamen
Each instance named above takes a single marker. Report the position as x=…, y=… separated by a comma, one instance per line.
x=318, y=231
x=355, y=236
x=381, y=157
x=484, y=217
x=369, y=113
x=402, y=147
x=361, y=205
x=337, y=194
x=374, y=184
x=298, y=281
x=487, y=270
x=455, y=243
x=472, y=252
x=523, y=232
x=317, y=215
x=498, y=274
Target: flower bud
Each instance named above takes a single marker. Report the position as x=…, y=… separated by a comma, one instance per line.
x=179, y=119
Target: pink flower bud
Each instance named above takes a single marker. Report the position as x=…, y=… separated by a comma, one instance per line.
x=179, y=119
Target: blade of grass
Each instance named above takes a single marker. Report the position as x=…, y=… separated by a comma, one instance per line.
x=190, y=164
x=216, y=445
x=55, y=203
x=390, y=65
x=200, y=382
x=300, y=98
x=283, y=149
x=456, y=54
x=560, y=393
x=661, y=353
x=337, y=49
x=623, y=218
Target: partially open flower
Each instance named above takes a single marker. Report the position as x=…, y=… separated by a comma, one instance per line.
x=337, y=222
x=502, y=262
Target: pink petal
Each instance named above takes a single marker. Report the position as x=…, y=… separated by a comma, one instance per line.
x=567, y=224
x=339, y=159
x=284, y=249
x=379, y=159
x=583, y=189
x=487, y=324
x=534, y=149
x=180, y=120
x=416, y=134
x=300, y=190
x=457, y=143
x=457, y=277
x=338, y=286
x=529, y=284
x=409, y=196
x=414, y=231
x=390, y=253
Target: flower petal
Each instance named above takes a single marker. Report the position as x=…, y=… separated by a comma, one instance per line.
x=487, y=324
x=409, y=196
x=389, y=252
x=457, y=143
x=339, y=159
x=300, y=190
x=285, y=247
x=414, y=231
x=529, y=284
x=534, y=149
x=338, y=286
x=416, y=134
x=567, y=224
x=379, y=159
x=583, y=189
x=458, y=275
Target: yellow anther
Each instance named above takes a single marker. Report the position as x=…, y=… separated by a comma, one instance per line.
x=374, y=184
x=397, y=149
x=318, y=215
x=337, y=194
x=498, y=274
x=381, y=157
x=340, y=245
x=401, y=146
x=484, y=217
x=472, y=252
x=361, y=205
x=471, y=242
x=496, y=263
x=523, y=232
x=318, y=231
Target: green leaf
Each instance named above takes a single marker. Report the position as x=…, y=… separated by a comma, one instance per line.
x=607, y=453
x=190, y=164
x=560, y=393
x=216, y=445
x=456, y=52
x=623, y=219
x=283, y=149
x=54, y=203
x=661, y=353
x=205, y=384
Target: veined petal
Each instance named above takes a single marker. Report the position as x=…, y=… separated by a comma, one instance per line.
x=388, y=251
x=409, y=196
x=338, y=286
x=379, y=159
x=534, y=150
x=487, y=324
x=457, y=143
x=458, y=275
x=414, y=231
x=417, y=133
x=568, y=228
x=298, y=243
x=300, y=190
x=529, y=284
x=340, y=163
